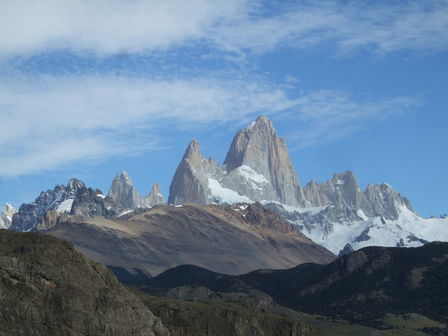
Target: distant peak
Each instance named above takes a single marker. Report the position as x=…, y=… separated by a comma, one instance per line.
x=386, y=185
x=263, y=123
x=155, y=188
x=194, y=143
x=193, y=149
x=347, y=175
x=74, y=183
x=124, y=173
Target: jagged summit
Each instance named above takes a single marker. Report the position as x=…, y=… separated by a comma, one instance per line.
x=250, y=141
x=193, y=149
x=342, y=191
x=257, y=167
x=123, y=192
x=74, y=184
x=74, y=199
x=126, y=196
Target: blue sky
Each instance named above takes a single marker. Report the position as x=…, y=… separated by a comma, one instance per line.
x=89, y=88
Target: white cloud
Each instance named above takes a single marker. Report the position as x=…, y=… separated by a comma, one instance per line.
x=381, y=27
x=51, y=121
x=107, y=27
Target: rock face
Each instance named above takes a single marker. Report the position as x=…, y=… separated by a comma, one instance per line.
x=47, y=288
x=228, y=239
x=256, y=150
x=215, y=318
x=191, y=180
x=123, y=192
x=125, y=196
x=6, y=216
x=343, y=192
x=343, y=218
x=74, y=198
x=257, y=167
x=383, y=200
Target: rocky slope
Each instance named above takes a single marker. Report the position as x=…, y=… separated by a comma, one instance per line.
x=257, y=167
x=6, y=216
x=74, y=199
x=125, y=196
x=47, y=288
x=363, y=286
x=224, y=319
x=229, y=239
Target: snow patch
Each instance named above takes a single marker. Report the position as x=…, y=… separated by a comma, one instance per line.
x=65, y=206
x=101, y=196
x=252, y=176
x=125, y=212
x=362, y=215
x=179, y=206
x=291, y=209
x=224, y=195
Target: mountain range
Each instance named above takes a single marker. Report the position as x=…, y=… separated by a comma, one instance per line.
x=240, y=248
x=224, y=238
x=336, y=214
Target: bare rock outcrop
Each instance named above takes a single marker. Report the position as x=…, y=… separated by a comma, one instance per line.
x=47, y=288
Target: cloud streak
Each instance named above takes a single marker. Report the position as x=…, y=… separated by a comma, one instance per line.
x=51, y=122
x=108, y=27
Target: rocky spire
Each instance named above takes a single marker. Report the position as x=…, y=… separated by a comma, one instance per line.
x=259, y=148
x=190, y=181
x=155, y=197
x=123, y=192
x=342, y=191
x=74, y=184
x=382, y=200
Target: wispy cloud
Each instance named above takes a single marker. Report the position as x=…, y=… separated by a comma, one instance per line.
x=107, y=27
x=50, y=122
x=329, y=115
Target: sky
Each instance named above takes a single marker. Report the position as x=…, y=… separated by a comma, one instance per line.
x=91, y=88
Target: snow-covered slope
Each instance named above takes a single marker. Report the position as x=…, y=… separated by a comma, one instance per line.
x=6, y=216
x=344, y=230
